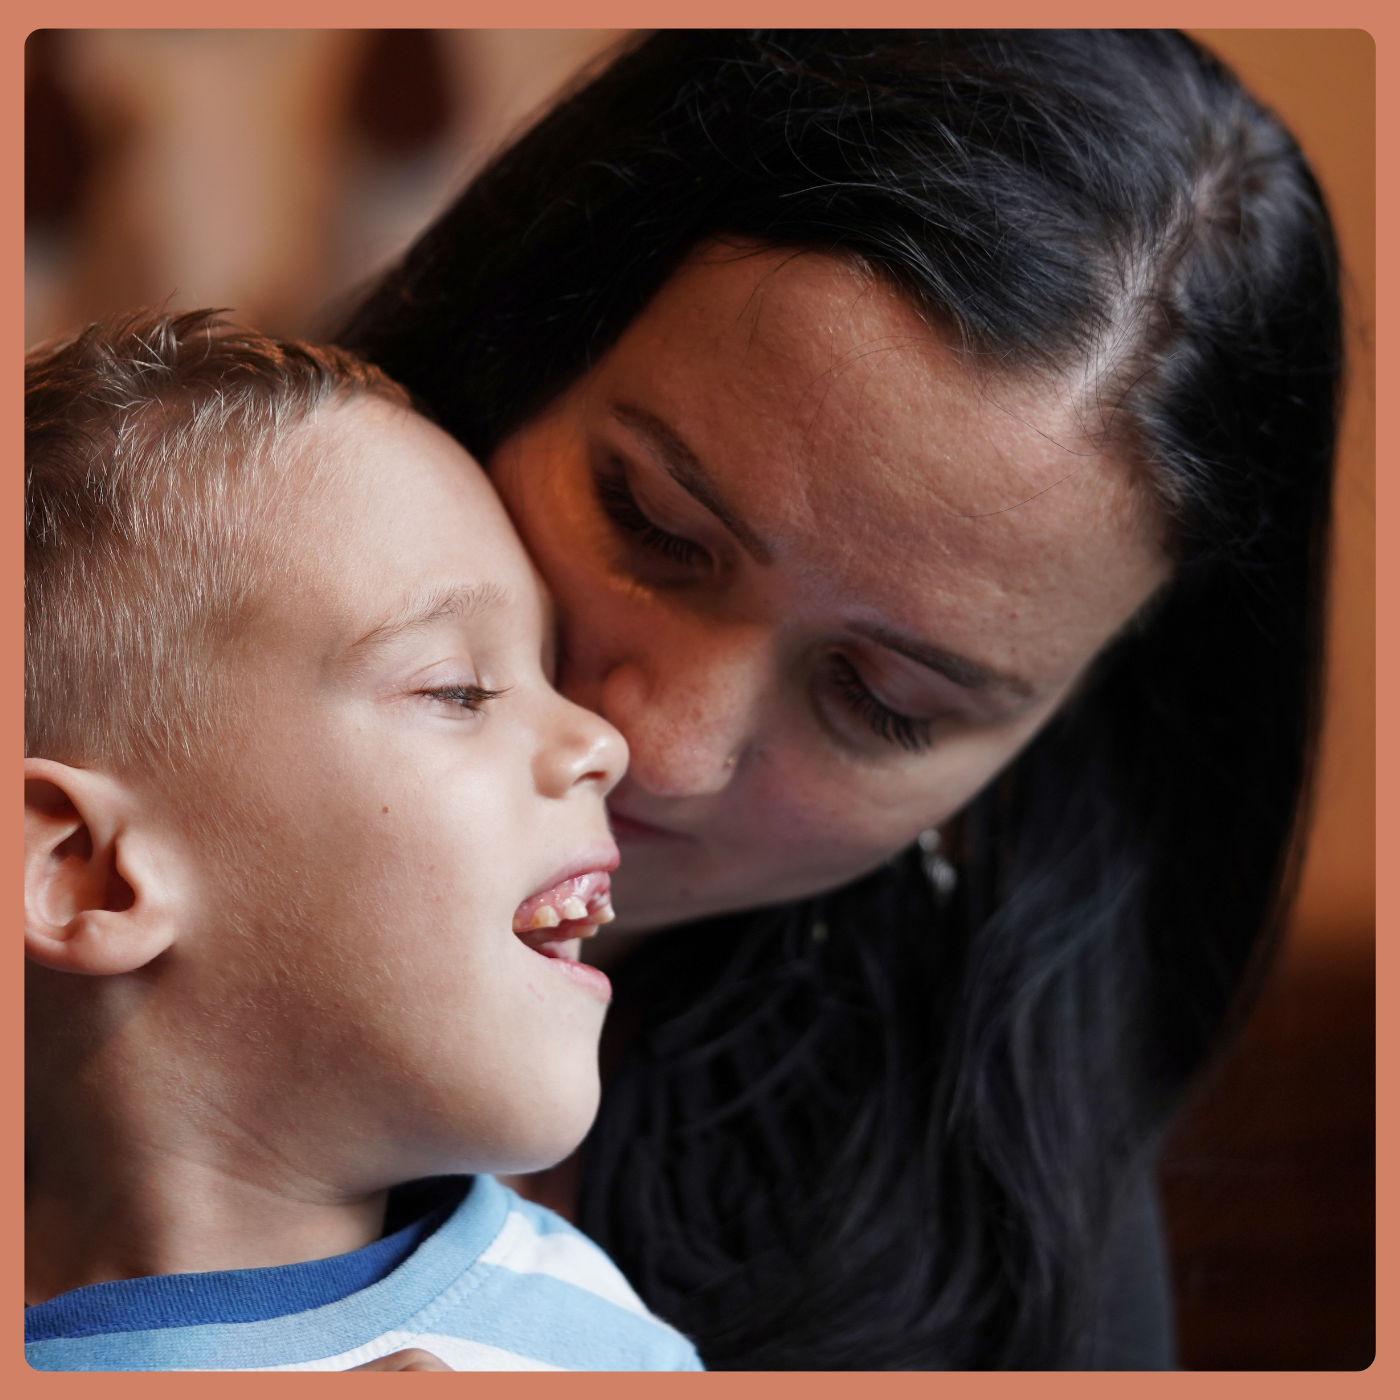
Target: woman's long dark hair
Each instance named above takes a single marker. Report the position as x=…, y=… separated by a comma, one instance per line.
x=873, y=1130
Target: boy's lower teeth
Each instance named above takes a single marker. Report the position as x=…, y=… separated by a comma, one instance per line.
x=564, y=949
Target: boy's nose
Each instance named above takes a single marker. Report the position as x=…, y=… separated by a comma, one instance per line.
x=583, y=749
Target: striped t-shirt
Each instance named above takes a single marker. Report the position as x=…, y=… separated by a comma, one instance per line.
x=487, y=1282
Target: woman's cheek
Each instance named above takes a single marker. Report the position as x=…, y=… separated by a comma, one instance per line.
x=851, y=816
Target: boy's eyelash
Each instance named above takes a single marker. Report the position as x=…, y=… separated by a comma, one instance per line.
x=469, y=697
x=912, y=735
x=620, y=506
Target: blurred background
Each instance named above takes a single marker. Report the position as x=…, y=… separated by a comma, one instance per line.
x=267, y=170
x=275, y=171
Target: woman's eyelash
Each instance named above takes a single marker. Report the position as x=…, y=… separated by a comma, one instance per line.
x=469, y=697
x=620, y=506
x=912, y=735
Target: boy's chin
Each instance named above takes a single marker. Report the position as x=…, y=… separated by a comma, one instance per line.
x=549, y=1138
x=540, y=1159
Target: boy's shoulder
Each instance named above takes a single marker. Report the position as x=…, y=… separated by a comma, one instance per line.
x=499, y=1284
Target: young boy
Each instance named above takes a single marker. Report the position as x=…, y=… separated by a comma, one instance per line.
x=310, y=840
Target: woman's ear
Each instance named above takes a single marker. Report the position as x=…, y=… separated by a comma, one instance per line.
x=95, y=901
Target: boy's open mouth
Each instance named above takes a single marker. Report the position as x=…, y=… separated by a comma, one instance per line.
x=551, y=921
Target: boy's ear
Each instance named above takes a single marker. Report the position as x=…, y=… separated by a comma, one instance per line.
x=94, y=899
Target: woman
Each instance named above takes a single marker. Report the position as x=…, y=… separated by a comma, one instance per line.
x=927, y=439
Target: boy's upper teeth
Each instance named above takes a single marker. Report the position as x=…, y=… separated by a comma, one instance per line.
x=580, y=899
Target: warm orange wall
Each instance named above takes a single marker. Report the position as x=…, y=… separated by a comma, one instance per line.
x=1322, y=83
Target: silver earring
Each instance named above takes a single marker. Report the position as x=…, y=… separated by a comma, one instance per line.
x=938, y=869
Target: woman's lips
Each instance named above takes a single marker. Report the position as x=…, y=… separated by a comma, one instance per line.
x=631, y=831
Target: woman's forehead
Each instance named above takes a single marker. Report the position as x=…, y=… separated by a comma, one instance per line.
x=826, y=396
x=811, y=349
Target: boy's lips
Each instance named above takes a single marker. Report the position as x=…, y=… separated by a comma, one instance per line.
x=577, y=899
x=555, y=919
x=552, y=922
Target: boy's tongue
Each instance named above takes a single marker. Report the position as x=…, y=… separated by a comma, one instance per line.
x=570, y=909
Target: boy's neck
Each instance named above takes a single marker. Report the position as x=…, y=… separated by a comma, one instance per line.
x=130, y=1170
x=177, y=1217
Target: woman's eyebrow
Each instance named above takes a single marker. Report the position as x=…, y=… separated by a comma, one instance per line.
x=682, y=465
x=971, y=675
x=684, y=468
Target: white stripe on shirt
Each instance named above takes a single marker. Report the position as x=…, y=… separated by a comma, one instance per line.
x=457, y=1352
x=564, y=1257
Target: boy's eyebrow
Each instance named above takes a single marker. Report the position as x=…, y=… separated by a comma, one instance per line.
x=425, y=607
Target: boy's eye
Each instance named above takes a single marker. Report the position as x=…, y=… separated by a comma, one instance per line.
x=466, y=697
x=912, y=735
x=620, y=506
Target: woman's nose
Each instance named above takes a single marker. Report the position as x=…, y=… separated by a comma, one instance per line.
x=581, y=750
x=688, y=716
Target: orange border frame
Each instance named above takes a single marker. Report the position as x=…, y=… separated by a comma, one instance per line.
x=1381, y=21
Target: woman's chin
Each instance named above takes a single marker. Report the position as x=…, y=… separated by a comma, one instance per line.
x=657, y=898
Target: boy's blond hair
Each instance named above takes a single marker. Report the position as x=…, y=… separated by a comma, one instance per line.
x=153, y=486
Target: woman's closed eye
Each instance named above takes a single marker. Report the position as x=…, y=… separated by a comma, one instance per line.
x=911, y=734
x=621, y=507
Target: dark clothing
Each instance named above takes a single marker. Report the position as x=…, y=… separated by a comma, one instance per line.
x=1136, y=1330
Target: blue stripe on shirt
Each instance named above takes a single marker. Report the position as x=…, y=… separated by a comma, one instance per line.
x=231, y=1295
x=448, y=1288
